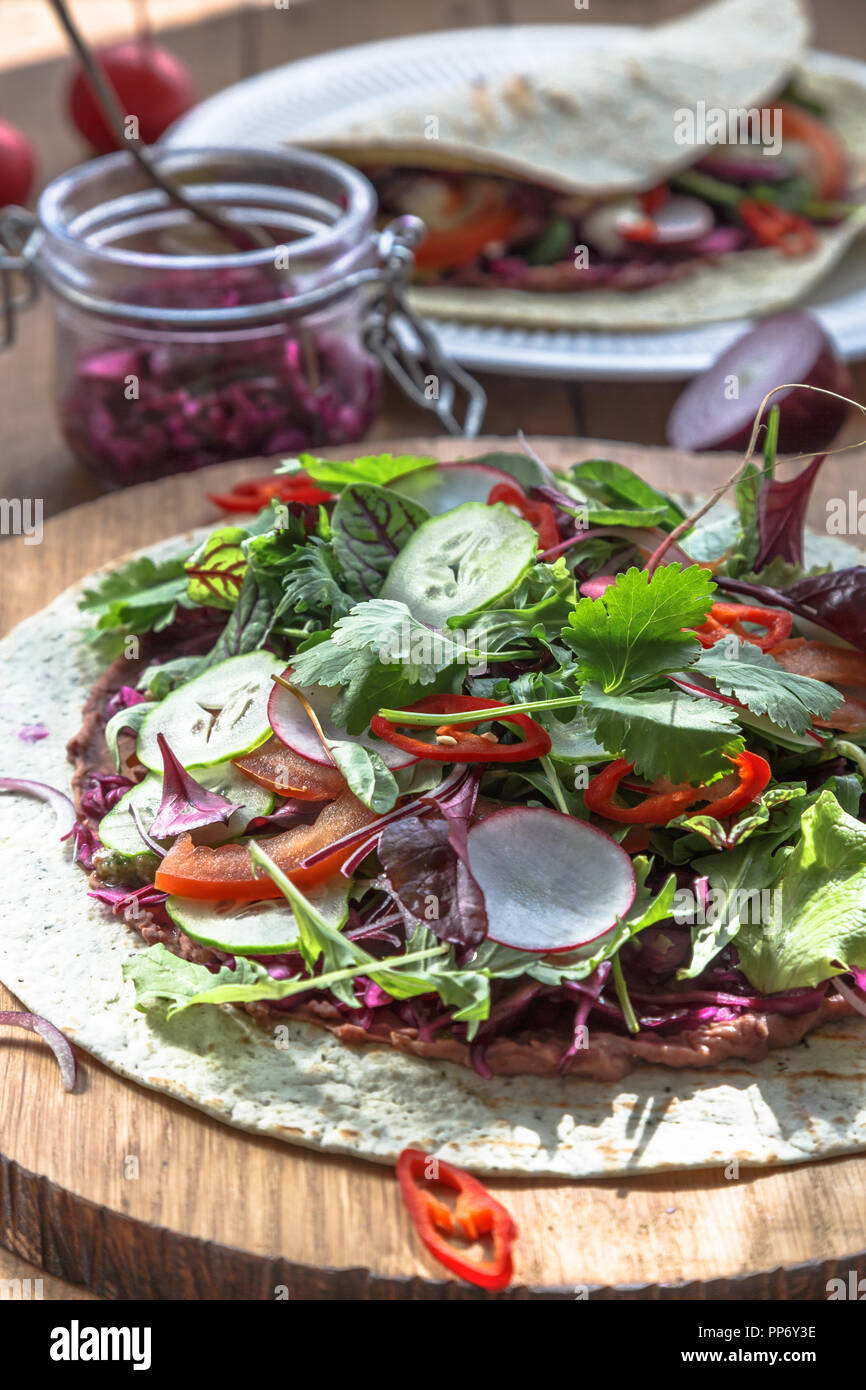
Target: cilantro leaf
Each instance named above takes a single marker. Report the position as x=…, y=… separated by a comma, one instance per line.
x=383, y=657
x=664, y=733
x=765, y=687
x=634, y=631
x=311, y=584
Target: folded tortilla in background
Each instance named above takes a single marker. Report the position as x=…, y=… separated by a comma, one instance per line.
x=602, y=123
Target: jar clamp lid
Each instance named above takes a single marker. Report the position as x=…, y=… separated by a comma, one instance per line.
x=404, y=343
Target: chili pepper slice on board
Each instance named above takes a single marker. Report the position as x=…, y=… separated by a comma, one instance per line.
x=476, y=1213
x=455, y=743
x=539, y=514
x=661, y=807
x=726, y=620
x=256, y=493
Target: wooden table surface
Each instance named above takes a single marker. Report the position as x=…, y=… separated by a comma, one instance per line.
x=223, y=41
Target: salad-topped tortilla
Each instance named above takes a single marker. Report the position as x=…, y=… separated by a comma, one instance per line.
x=468, y=770
x=701, y=173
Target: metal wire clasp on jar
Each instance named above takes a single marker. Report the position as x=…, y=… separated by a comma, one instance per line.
x=175, y=351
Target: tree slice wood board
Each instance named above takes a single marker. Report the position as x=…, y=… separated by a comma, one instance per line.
x=135, y=1195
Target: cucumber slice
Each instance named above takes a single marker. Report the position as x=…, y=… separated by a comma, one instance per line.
x=118, y=832
x=221, y=714
x=463, y=560
x=257, y=929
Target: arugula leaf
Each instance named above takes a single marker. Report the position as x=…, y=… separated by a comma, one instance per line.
x=370, y=526
x=634, y=630
x=161, y=978
x=818, y=926
x=141, y=596
x=338, y=473
x=615, y=486
x=216, y=569
x=664, y=733
x=765, y=687
x=421, y=661
x=748, y=541
x=645, y=911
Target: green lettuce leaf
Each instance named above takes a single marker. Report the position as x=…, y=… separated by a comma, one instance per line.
x=818, y=925
x=614, y=487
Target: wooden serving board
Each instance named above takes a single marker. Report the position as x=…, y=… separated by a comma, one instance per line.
x=137, y=1196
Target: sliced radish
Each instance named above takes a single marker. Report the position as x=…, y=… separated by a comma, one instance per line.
x=449, y=485
x=695, y=685
x=550, y=882
x=293, y=726
x=682, y=219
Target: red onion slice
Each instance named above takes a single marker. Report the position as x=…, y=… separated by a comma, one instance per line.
x=49, y=1034
x=855, y=997
x=63, y=808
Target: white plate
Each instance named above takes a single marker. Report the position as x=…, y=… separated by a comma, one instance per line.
x=275, y=107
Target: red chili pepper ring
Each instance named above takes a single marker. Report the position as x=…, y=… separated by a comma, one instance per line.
x=475, y=1214
x=457, y=744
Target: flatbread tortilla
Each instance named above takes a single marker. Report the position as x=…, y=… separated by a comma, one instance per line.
x=601, y=125
x=61, y=954
x=605, y=127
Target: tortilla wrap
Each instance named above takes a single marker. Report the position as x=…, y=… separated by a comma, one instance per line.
x=61, y=954
x=606, y=127
x=598, y=122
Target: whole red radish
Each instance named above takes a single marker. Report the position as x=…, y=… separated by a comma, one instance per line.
x=151, y=84
x=17, y=165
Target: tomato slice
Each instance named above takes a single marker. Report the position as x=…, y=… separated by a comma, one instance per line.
x=226, y=871
x=467, y=219
x=849, y=717
x=821, y=661
x=287, y=773
x=827, y=158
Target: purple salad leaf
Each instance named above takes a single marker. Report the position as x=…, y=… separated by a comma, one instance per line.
x=185, y=804
x=782, y=515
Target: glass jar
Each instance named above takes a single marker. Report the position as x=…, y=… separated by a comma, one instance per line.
x=174, y=350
